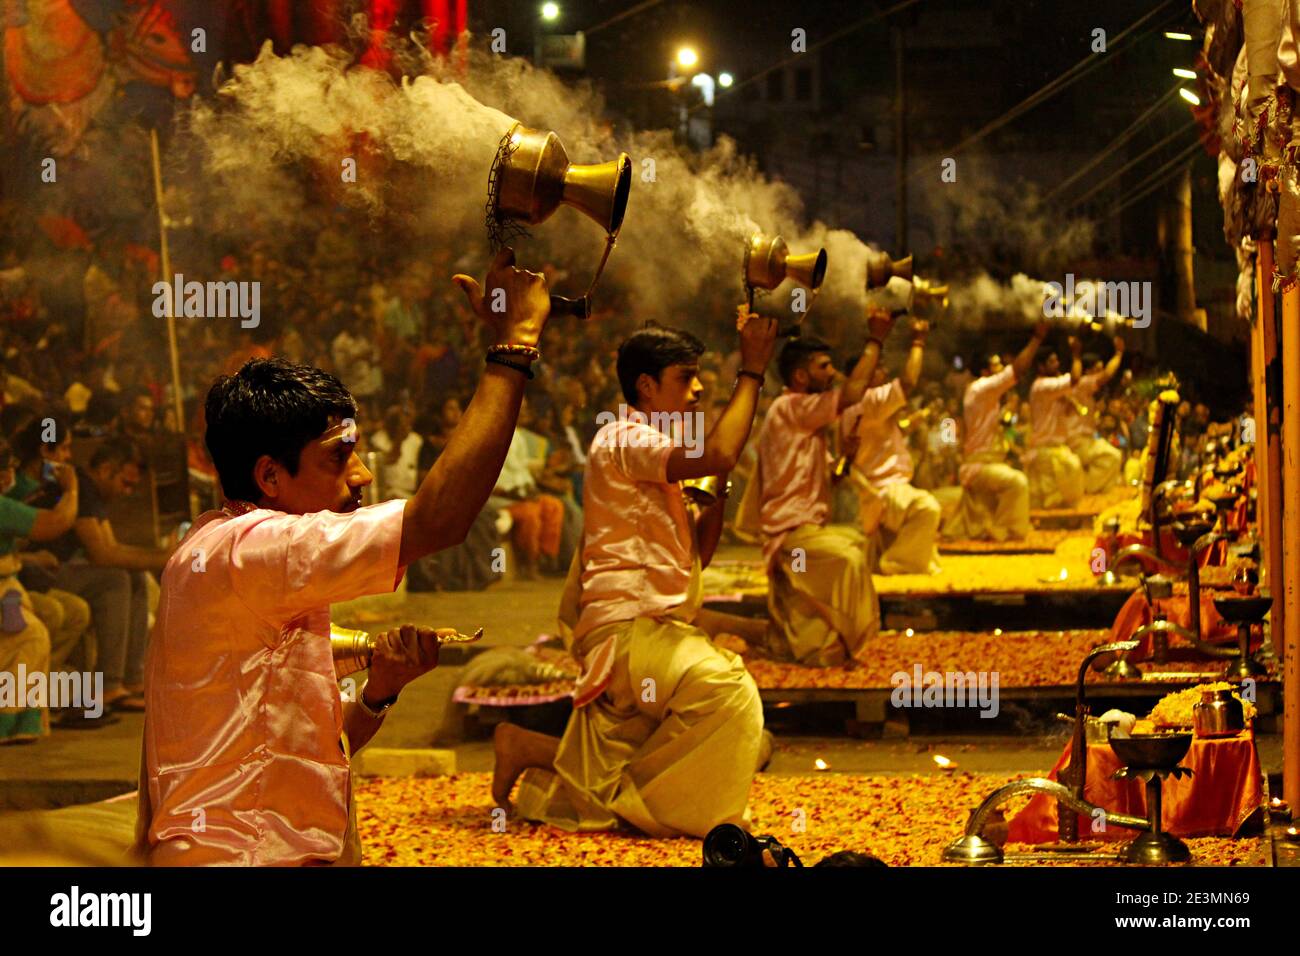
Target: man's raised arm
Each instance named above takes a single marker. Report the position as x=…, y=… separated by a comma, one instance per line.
x=457, y=487
x=1116, y=360
x=915, y=357
x=879, y=324
x=725, y=443
x=1025, y=360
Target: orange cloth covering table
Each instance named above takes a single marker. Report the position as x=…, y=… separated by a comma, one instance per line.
x=1226, y=787
x=1216, y=554
x=1136, y=612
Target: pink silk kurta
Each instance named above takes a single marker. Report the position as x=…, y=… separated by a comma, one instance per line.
x=1082, y=427
x=242, y=745
x=883, y=457
x=981, y=410
x=638, y=547
x=1050, y=410
x=793, y=464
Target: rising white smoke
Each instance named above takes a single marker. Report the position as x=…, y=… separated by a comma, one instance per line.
x=423, y=148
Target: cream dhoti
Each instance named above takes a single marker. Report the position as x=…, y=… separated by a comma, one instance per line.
x=666, y=729
x=822, y=603
x=1055, y=477
x=907, y=523
x=994, y=501
x=670, y=746
x=1101, y=462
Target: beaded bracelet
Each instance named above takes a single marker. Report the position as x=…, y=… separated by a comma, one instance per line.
x=526, y=351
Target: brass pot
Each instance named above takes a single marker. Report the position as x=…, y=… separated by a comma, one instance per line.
x=1219, y=714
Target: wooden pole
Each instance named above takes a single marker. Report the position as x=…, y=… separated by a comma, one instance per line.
x=1290, y=492
x=1268, y=423
x=167, y=277
x=1265, y=303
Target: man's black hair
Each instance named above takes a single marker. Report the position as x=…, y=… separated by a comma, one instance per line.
x=1089, y=359
x=796, y=354
x=649, y=351
x=269, y=407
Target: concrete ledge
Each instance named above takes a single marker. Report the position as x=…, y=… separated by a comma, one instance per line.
x=399, y=762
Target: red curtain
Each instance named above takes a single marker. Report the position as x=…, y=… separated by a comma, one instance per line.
x=382, y=15
x=279, y=14
x=324, y=22
x=450, y=19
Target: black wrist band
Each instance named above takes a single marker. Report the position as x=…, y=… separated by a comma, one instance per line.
x=756, y=376
x=497, y=359
x=879, y=344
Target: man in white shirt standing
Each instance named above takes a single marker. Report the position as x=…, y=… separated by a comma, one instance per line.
x=995, y=496
x=906, y=517
x=1055, y=475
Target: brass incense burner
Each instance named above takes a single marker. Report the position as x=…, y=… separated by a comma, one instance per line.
x=768, y=263
x=531, y=177
x=352, y=650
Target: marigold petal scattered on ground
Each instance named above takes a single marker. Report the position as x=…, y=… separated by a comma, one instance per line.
x=905, y=820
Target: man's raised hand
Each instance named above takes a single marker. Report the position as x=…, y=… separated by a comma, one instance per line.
x=879, y=323
x=757, y=342
x=513, y=303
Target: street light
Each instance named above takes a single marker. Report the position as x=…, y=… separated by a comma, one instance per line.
x=1190, y=97
x=687, y=57
x=725, y=80
x=1184, y=73
x=550, y=11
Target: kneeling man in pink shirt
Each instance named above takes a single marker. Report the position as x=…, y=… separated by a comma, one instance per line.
x=247, y=737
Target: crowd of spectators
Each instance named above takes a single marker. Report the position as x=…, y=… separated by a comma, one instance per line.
x=82, y=346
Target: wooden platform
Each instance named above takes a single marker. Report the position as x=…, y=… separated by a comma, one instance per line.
x=1033, y=608
x=1062, y=518
x=874, y=712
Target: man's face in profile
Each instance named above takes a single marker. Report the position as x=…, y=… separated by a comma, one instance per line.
x=330, y=475
x=821, y=373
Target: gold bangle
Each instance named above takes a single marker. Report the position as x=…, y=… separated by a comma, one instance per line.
x=528, y=352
